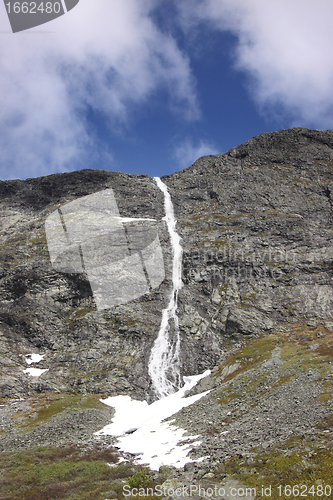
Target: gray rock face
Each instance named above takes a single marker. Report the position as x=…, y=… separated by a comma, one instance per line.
x=247, y=321
x=260, y=407
x=256, y=229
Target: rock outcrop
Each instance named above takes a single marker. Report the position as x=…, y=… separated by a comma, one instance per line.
x=256, y=229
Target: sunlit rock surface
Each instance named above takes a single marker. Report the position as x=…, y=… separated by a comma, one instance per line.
x=256, y=229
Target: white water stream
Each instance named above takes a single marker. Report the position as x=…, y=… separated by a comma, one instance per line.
x=139, y=426
x=164, y=368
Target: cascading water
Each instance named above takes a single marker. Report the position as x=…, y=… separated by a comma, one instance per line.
x=140, y=427
x=164, y=367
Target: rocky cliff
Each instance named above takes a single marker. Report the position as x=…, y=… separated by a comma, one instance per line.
x=256, y=229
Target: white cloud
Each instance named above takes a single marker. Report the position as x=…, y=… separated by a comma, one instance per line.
x=187, y=152
x=110, y=56
x=105, y=54
x=286, y=48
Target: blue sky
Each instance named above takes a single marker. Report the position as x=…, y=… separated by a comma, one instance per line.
x=148, y=86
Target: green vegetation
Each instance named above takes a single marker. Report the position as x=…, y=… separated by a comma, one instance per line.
x=76, y=473
x=47, y=406
x=296, y=345
x=18, y=249
x=141, y=479
x=293, y=463
x=251, y=355
x=78, y=314
x=53, y=473
x=73, y=472
x=301, y=460
x=39, y=240
x=300, y=348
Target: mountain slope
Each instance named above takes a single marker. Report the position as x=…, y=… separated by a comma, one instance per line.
x=255, y=307
x=256, y=228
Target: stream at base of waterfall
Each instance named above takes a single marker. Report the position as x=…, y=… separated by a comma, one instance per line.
x=139, y=427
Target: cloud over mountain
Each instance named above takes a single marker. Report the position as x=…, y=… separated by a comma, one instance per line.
x=70, y=89
x=103, y=57
x=283, y=47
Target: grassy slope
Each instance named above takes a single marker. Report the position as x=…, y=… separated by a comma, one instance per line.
x=76, y=473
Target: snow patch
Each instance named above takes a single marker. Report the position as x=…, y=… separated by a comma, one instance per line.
x=35, y=372
x=140, y=429
x=34, y=358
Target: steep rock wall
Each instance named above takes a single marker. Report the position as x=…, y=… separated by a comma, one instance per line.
x=256, y=228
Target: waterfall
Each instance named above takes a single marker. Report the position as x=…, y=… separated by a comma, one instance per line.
x=139, y=427
x=164, y=367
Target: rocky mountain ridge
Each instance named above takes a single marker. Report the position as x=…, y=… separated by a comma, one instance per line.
x=256, y=229
x=255, y=308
